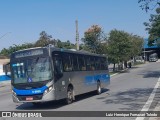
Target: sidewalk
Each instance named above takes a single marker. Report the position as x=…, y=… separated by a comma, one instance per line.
x=5, y=83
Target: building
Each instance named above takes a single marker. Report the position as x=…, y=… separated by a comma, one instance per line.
x=148, y=50
x=3, y=61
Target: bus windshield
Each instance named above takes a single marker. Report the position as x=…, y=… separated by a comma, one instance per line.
x=31, y=70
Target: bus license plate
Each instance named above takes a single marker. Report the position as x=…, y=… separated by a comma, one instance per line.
x=29, y=98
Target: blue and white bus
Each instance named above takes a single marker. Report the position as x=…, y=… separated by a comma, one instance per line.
x=49, y=73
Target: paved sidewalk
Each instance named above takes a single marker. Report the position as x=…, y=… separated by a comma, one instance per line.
x=5, y=83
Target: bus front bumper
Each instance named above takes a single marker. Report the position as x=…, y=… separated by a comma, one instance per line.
x=50, y=96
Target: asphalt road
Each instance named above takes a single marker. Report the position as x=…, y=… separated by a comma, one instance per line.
x=133, y=90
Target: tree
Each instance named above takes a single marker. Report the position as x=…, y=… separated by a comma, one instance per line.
x=149, y=4
x=4, y=52
x=153, y=28
x=93, y=39
x=67, y=44
x=14, y=48
x=119, y=47
x=136, y=45
x=44, y=39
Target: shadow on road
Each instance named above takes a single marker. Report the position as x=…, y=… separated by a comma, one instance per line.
x=151, y=74
x=155, y=100
x=133, y=99
x=56, y=104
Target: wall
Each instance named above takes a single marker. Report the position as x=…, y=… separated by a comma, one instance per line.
x=3, y=77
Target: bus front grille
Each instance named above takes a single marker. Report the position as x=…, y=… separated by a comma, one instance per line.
x=35, y=97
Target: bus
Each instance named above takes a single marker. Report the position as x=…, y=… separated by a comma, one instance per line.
x=47, y=73
x=153, y=57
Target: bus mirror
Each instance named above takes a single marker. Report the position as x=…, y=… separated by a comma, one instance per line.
x=7, y=70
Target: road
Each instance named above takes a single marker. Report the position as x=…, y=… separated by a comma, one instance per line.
x=131, y=90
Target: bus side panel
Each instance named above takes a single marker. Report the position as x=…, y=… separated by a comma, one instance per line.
x=86, y=81
x=80, y=84
x=103, y=76
x=78, y=80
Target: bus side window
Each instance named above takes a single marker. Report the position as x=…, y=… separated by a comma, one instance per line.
x=98, y=63
x=81, y=63
x=75, y=62
x=103, y=64
x=67, y=66
x=88, y=63
x=92, y=63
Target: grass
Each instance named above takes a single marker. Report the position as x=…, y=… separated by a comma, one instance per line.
x=138, y=63
x=111, y=73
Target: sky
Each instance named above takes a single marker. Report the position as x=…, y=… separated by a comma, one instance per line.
x=21, y=21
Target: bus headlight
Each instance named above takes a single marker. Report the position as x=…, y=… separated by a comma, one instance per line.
x=48, y=89
x=14, y=93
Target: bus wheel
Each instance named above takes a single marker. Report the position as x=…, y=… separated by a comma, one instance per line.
x=99, y=89
x=70, y=96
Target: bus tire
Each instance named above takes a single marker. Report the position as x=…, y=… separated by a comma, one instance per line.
x=70, y=96
x=99, y=89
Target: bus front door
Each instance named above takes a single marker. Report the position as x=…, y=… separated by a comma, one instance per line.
x=58, y=76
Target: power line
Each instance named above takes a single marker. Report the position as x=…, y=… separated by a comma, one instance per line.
x=4, y=34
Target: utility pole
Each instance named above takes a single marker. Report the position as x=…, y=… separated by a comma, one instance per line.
x=77, y=36
x=144, y=50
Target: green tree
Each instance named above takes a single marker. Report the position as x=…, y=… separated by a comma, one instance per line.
x=149, y=4
x=119, y=47
x=136, y=45
x=153, y=28
x=4, y=52
x=67, y=44
x=93, y=39
x=44, y=39
x=14, y=48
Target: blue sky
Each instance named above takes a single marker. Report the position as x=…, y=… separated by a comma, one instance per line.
x=21, y=21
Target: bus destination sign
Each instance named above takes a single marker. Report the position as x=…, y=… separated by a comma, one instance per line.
x=29, y=53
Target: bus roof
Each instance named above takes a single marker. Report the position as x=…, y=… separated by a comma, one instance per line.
x=75, y=51
x=61, y=50
x=28, y=49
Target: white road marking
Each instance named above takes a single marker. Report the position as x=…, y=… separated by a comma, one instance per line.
x=150, y=99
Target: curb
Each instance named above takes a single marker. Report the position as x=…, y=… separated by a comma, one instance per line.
x=119, y=72
x=114, y=74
